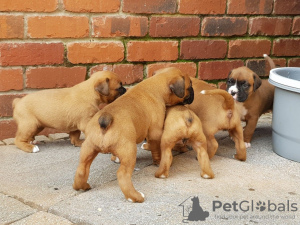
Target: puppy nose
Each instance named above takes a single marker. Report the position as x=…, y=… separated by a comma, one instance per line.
x=233, y=93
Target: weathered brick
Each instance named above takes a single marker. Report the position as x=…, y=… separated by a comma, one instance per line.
x=250, y=6
x=6, y=100
x=296, y=26
x=222, y=85
x=294, y=62
x=261, y=67
x=189, y=68
x=224, y=26
x=202, y=7
x=58, y=27
x=174, y=26
x=286, y=47
x=29, y=6
x=11, y=26
x=216, y=70
x=149, y=6
x=287, y=7
x=152, y=51
x=248, y=48
x=102, y=6
x=269, y=26
x=15, y=54
x=91, y=52
x=203, y=49
x=11, y=79
x=54, y=77
x=117, y=26
x=128, y=73
x=8, y=129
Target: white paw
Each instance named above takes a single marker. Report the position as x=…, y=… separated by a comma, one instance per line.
x=162, y=176
x=143, y=146
x=117, y=160
x=129, y=199
x=142, y=194
x=248, y=145
x=205, y=176
x=35, y=149
x=203, y=92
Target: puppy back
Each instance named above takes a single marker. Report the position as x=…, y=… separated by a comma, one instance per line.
x=15, y=102
x=105, y=120
x=228, y=100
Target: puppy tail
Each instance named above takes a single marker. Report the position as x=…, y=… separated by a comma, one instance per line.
x=15, y=101
x=105, y=120
x=270, y=61
x=229, y=101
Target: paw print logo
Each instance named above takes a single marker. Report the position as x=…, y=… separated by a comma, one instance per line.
x=261, y=206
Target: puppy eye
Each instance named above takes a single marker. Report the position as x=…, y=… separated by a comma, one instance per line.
x=245, y=85
x=231, y=81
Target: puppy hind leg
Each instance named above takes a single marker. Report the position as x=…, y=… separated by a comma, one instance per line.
x=212, y=146
x=124, y=174
x=74, y=138
x=237, y=134
x=87, y=155
x=166, y=160
x=25, y=136
x=155, y=151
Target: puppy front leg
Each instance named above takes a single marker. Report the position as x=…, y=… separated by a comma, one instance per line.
x=166, y=159
x=155, y=151
x=249, y=130
x=87, y=155
x=74, y=138
x=127, y=157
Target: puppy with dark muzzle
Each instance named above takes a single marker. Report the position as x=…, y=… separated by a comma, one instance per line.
x=253, y=97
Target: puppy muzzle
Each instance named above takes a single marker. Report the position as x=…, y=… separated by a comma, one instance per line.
x=190, y=98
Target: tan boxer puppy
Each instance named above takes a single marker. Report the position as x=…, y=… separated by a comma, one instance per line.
x=253, y=96
x=65, y=109
x=136, y=115
x=182, y=123
x=217, y=111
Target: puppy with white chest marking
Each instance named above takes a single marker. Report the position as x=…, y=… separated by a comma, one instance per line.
x=65, y=109
x=252, y=95
x=136, y=115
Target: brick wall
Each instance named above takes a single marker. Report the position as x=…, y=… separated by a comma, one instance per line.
x=58, y=43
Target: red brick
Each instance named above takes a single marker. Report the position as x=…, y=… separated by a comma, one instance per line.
x=118, y=26
x=11, y=26
x=11, y=79
x=287, y=7
x=296, y=26
x=269, y=26
x=29, y=6
x=216, y=70
x=6, y=109
x=286, y=47
x=202, y=7
x=8, y=129
x=149, y=6
x=54, y=77
x=203, y=49
x=91, y=52
x=189, y=68
x=261, y=67
x=58, y=27
x=103, y=6
x=294, y=62
x=250, y=6
x=174, y=26
x=224, y=26
x=222, y=85
x=15, y=54
x=248, y=48
x=152, y=51
x=128, y=73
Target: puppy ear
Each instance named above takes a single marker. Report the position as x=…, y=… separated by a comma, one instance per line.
x=103, y=87
x=229, y=74
x=257, y=81
x=178, y=88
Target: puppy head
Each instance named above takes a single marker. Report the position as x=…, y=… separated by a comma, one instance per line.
x=179, y=85
x=242, y=82
x=108, y=86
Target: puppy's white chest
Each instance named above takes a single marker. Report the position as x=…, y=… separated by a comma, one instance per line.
x=242, y=110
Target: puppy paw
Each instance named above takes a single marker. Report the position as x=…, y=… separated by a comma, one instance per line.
x=209, y=175
x=35, y=149
x=145, y=146
x=248, y=145
x=117, y=160
x=140, y=198
x=205, y=176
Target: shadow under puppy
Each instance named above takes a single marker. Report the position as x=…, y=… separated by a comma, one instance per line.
x=252, y=95
x=182, y=123
x=66, y=109
x=136, y=115
x=217, y=111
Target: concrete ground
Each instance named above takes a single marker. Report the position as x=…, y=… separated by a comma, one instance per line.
x=36, y=188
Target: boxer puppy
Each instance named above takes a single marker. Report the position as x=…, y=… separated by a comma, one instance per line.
x=182, y=123
x=65, y=109
x=217, y=111
x=253, y=96
x=136, y=115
